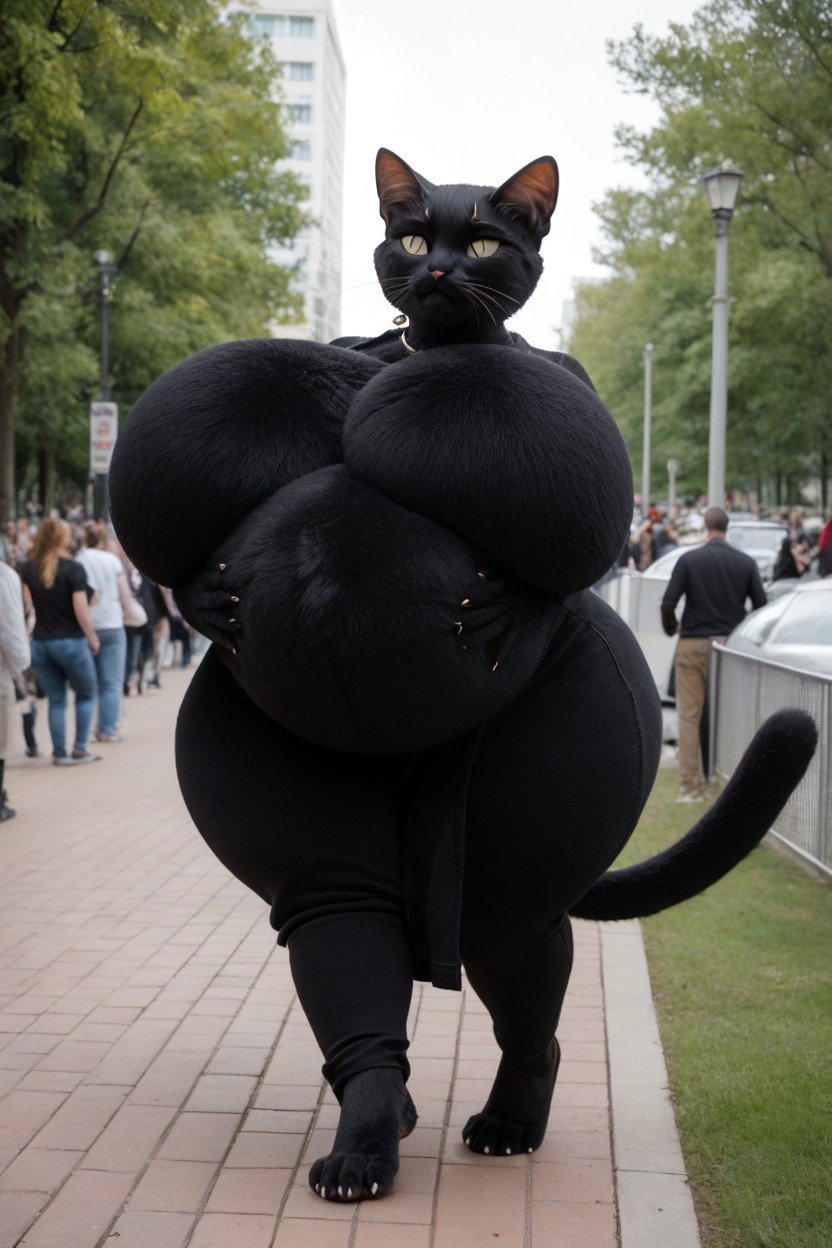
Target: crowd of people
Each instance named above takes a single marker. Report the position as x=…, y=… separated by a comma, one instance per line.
x=658, y=530
x=75, y=614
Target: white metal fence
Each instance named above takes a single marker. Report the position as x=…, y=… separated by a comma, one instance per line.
x=744, y=691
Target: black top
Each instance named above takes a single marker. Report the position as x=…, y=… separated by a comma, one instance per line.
x=716, y=579
x=390, y=348
x=55, y=617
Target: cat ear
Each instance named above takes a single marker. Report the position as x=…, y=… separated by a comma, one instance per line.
x=398, y=184
x=532, y=192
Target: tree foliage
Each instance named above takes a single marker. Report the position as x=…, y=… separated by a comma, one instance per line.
x=150, y=128
x=750, y=80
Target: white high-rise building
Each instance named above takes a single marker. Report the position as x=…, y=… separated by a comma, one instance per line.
x=305, y=41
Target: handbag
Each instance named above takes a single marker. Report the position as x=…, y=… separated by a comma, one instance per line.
x=134, y=613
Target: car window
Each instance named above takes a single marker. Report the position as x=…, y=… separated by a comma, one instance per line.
x=807, y=620
x=758, y=625
x=756, y=536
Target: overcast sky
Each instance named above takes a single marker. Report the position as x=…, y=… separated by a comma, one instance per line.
x=470, y=91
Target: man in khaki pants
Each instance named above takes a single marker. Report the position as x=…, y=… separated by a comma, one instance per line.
x=716, y=580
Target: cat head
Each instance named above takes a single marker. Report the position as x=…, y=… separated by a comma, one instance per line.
x=457, y=253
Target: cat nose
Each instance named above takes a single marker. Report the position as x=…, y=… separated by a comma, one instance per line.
x=437, y=273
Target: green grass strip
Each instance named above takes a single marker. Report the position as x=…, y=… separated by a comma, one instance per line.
x=742, y=980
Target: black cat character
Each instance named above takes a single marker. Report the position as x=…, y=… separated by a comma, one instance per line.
x=417, y=735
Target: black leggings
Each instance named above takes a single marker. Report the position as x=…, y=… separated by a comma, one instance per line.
x=558, y=782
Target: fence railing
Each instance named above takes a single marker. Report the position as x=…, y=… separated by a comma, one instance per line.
x=744, y=691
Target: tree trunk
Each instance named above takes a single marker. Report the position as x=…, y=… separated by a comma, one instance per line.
x=824, y=482
x=9, y=391
x=44, y=479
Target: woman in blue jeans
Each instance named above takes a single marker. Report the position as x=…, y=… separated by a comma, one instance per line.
x=107, y=577
x=64, y=640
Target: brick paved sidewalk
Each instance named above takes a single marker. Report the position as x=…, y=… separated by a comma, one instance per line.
x=160, y=1084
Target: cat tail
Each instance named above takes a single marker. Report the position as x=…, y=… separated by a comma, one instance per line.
x=769, y=770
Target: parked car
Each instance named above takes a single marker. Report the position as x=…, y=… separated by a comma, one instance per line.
x=761, y=539
x=794, y=629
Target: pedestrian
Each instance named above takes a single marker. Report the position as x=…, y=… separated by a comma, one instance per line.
x=645, y=545
x=793, y=559
x=64, y=640
x=107, y=577
x=716, y=579
x=15, y=657
x=825, y=550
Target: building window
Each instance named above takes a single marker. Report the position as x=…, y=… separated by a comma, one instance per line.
x=304, y=26
x=265, y=24
x=300, y=112
x=301, y=71
x=302, y=150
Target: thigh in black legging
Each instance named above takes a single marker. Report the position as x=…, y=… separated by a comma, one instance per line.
x=558, y=783
x=312, y=831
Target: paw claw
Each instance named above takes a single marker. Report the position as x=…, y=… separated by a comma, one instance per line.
x=349, y=1193
x=323, y=1192
x=487, y=1149
x=374, y=1189
x=508, y=1152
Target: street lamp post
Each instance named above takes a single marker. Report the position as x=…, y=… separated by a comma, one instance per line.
x=648, y=409
x=721, y=186
x=106, y=273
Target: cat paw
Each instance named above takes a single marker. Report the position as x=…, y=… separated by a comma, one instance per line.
x=493, y=1137
x=353, y=1176
x=377, y=1111
x=516, y=1113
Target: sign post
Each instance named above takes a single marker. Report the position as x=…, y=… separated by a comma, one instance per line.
x=103, y=434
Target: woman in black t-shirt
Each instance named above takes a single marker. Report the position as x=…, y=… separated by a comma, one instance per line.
x=64, y=640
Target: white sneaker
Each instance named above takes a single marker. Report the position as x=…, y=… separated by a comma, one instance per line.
x=696, y=796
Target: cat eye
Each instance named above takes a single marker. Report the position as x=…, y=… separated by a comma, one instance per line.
x=482, y=248
x=415, y=244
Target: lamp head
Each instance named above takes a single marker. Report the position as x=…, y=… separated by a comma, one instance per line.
x=721, y=186
x=103, y=257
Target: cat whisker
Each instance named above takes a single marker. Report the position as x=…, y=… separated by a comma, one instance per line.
x=475, y=300
x=502, y=293
x=484, y=300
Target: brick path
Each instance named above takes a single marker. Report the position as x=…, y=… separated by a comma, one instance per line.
x=160, y=1084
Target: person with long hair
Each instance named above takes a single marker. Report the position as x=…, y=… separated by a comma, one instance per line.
x=64, y=640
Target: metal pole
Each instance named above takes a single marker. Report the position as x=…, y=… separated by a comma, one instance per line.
x=672, y=466
x=648, y=405
x=101, y=501
x=719, y=369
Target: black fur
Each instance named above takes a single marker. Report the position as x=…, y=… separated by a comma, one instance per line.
x=331, y=578
x=474, y=295
x=510, y=450
x=218, y=434
x=347, y=612
x=771, y=767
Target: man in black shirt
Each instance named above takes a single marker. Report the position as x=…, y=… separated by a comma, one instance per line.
x=716, y=580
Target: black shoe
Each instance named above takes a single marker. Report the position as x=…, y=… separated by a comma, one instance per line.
x=6, y=811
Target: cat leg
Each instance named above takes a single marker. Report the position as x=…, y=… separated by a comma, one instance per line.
x=314, y=832
x=556, y=787
x=524, y=995
x=354, y=976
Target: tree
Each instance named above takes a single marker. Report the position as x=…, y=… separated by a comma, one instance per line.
x=151, y=128
x=750, y=79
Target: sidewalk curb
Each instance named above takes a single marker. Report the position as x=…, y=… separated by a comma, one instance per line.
x=655, y=1206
